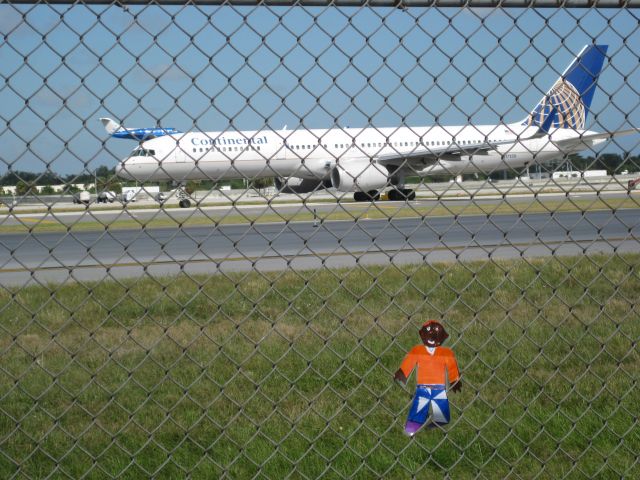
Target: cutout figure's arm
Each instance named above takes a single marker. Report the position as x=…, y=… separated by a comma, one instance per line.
x=456, y=387
x=406, y=368
x=454, y=374
x=400, y=377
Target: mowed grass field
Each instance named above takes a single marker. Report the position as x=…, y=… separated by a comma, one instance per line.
x=290, y=374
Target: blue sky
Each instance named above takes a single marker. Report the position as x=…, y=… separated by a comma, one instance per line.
x=217, y=68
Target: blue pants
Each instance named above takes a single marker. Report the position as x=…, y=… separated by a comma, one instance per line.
x=434, y=396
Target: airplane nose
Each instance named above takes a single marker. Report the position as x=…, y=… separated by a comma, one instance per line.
x=121, y=171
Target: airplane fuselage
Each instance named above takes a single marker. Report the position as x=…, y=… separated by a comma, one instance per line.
x=313, y=154
x=369, y=160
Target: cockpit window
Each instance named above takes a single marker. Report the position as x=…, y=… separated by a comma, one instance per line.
x=143, y=152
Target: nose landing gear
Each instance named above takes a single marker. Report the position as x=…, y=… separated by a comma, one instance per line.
x=184, y=201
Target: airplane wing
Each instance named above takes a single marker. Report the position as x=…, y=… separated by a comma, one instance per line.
x=429, y=155
x=116, y=130
x=454, y=152
x=588, y=140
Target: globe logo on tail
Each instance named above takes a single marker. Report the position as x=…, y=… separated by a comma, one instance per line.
x=564, y=101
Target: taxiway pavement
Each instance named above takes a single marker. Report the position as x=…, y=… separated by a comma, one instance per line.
x=96, y=255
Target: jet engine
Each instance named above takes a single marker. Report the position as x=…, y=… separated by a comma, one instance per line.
x=301, y=185
x=359, y=176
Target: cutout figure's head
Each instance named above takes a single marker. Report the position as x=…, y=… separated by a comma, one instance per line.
x=433, y=334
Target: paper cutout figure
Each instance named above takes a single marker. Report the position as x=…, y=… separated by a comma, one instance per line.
x=435, y=365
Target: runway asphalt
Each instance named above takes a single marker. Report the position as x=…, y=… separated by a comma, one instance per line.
x=84, y=256
x=144, y=215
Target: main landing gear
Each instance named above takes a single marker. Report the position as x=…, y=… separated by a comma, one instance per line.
x=371, y=196
x=401, y=194
x=183, y=198
x=395, y=195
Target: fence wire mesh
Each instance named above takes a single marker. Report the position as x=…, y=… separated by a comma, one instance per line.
x=234, y=301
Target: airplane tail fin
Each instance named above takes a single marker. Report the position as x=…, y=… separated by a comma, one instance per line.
x=569, y=99
x=110, y=125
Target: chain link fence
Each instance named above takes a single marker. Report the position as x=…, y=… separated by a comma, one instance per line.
x=234, y=301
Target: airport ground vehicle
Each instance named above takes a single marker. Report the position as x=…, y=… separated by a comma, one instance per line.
x=106, y=197
x=82, y=197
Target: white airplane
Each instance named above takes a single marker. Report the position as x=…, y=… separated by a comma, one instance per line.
x=366, y=161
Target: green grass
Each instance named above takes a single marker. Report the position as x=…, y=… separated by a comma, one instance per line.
x=290, y=373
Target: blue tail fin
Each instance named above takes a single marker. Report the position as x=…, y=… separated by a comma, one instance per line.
x=569, y=99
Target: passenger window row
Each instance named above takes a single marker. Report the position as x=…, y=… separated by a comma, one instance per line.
x=432, y=143
x=142, y=152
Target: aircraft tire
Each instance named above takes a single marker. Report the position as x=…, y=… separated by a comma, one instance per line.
x=409, y=194
x=402, y=195
x=371, y=196
x=184, y=203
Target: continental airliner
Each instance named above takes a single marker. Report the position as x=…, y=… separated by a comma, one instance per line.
x=368, y=161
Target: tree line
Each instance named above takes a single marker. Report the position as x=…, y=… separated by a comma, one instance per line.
x=106, y=180
x=48, y=177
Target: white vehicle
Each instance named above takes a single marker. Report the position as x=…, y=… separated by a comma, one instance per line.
x=83, y=197
x=366, y=161
x=128, y=196
x=106, y=197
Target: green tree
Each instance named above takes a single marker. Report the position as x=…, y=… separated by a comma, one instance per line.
x=261, y=184
x=15, y=176
x=191, y=187
x=47, y=190
x=109, y=183
x=237, y=184
x=23, y=188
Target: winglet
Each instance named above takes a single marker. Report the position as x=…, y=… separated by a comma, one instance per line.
x=110, y=125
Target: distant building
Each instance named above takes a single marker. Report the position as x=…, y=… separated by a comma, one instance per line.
x=578, y=174
x=535, y=176
x=11, y=189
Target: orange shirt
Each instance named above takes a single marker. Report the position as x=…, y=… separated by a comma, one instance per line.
x=432, y=369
